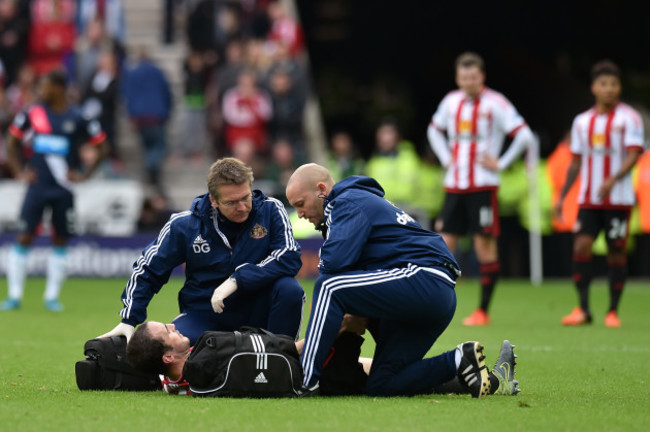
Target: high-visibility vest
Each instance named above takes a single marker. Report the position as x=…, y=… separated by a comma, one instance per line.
x=302, y=228
x=430, y=192
x=356, y=167
x=398, y=175
x=545, y=201
x=513, y=188
x=557, y=165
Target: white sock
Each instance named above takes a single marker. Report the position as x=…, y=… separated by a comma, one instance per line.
x=17, y=271
x=457, y=358
x=56, y=273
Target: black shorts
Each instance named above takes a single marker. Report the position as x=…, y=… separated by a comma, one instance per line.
x=614, y=222
x=471, y=213
x=58, y=199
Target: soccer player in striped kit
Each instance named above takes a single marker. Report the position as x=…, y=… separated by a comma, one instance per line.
x=378, y=262
x=467, y=133
x=606, y=142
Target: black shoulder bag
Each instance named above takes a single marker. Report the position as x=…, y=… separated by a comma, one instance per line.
x=250, y=362
x=106, y=368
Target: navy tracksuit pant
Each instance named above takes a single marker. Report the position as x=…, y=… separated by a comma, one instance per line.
x=277, y=309
x=409, y=308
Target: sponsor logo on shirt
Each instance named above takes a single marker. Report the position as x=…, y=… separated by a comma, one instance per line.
x=200, y=245
x=598, y=140
x=258, y=232
x=51, y=144
x=464, y=126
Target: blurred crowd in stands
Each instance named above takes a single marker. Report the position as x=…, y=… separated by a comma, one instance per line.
x=83, y=37
x=244, y=82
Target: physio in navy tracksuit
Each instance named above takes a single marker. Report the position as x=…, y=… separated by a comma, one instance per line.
x=376, y=262
x=240, y=261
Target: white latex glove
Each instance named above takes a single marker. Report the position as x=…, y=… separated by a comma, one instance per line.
x=222, y=292
x=120, y=330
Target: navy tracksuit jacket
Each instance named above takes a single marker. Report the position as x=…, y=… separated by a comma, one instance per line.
x=378, y=262
x=264, y=259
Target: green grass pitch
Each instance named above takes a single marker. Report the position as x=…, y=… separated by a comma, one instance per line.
x=573, y=379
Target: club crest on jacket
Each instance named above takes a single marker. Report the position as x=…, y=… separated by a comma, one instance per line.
x=258, y=232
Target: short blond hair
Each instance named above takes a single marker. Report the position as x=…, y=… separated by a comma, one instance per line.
x=228, y=171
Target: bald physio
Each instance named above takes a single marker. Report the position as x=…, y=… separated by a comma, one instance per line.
x=378, y=262
x=307, y=189
x=311, y=173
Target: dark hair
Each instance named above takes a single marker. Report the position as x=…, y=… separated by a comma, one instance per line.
x=145, y=353
x=469, y=59
x=57, y=78
x=389, y=121
x=605, y=67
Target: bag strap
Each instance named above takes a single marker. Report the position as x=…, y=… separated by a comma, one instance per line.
x=273, y=342
x=256, y=330
x=118, y=366
x=122, y=367
x=99, y=349
x=238, y=340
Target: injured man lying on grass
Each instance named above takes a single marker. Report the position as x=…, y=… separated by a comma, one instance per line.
x=160, y=348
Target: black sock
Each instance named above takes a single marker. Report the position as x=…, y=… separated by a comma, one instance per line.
x=455, y=387
x=452, y=386
x=489, y=274
x=617, y=277
x=582, y=274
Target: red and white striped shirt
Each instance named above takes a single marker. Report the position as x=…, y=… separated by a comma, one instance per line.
x=474, y=126
x=602, y=140
x=180, y=387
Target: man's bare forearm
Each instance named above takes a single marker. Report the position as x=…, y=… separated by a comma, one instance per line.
x=571, y=176
x=14, y=155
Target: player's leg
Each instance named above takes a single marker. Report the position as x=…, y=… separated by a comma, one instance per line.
x=153, y=138
x=589, y=222
x=489, y=265
x=400, y=295
x=398, y=366
x=17, y=271
x=286, y=307
x=452, y=221
x=30, y=216
x=277, y=308
x=322, y=329
x=193, y=323
x=63, y=219
x=484, y=224
x=56, y=273
x=582, y=276
x=616, y=234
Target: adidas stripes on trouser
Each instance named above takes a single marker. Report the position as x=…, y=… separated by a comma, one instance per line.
x=408, y=308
